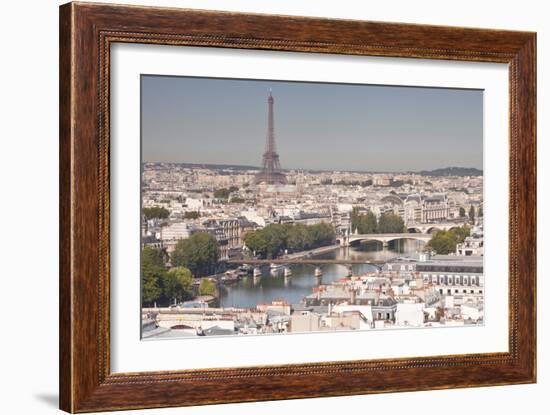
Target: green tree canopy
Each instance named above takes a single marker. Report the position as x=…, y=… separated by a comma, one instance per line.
x=461, y=233
x=207, y=287
x=272, y=240
x=472, y=213
x=321, y=234
x=363, y=223
x=222, y=193
x=236, y=199
x=199, y=253
x=462, y=212
x=152, y=274
x=275, y=236
x=178, y=284
x=256, y=242
x=444, y=242
x=298, y=237
x=391, y=223
x=156, y=212
x=191, y=215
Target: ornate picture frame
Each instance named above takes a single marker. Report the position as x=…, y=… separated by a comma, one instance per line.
x=87, y=32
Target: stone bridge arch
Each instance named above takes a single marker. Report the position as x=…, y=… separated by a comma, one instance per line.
x=385, y=239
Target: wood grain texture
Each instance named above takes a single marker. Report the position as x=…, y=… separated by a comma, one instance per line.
x=86, y=33
x=65, y=247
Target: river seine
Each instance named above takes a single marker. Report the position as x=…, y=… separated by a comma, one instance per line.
x=250, y=291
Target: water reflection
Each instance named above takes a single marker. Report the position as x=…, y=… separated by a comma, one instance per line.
x=251, y=291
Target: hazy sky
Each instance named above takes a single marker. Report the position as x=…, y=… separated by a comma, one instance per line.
x=317, y=125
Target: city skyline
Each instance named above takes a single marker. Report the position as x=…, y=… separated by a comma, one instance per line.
x=222, y=166
x=261, y=212
x=224, y=122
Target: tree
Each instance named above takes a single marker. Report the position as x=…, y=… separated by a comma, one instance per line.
x=275, y=235
x=461, y=233
x=298, y=237
x=480, y=212
x=199, y=253
x=472, y=214
x=355, y=215
x=363, y=223
x=207, y=287
x=462, y=212
x=321, y=234
x=270, y=241
x=156, y=212
x=191, y=215
x=177, y=284
x=444, y=242
x=222, y=193
x=153, y=257
x=368, y=223
x=391, y=223
x=152, y=273
x=236, y=199
x=256, y=242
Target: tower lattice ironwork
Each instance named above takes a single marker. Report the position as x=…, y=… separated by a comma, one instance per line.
x=271, y=167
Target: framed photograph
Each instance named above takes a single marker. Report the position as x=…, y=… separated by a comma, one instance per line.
x=258, y=207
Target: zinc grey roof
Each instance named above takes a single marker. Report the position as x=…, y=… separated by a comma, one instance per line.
x=217, y=331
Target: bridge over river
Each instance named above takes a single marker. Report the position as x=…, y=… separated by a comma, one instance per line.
x=308, y=261
x=385, y=238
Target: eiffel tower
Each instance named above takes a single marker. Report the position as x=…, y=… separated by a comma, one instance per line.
x=271, y=167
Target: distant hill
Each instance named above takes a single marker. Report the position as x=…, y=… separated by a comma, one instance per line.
x=220, y=166
x=453, y=171
x=209, y=166
x=224, y=168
